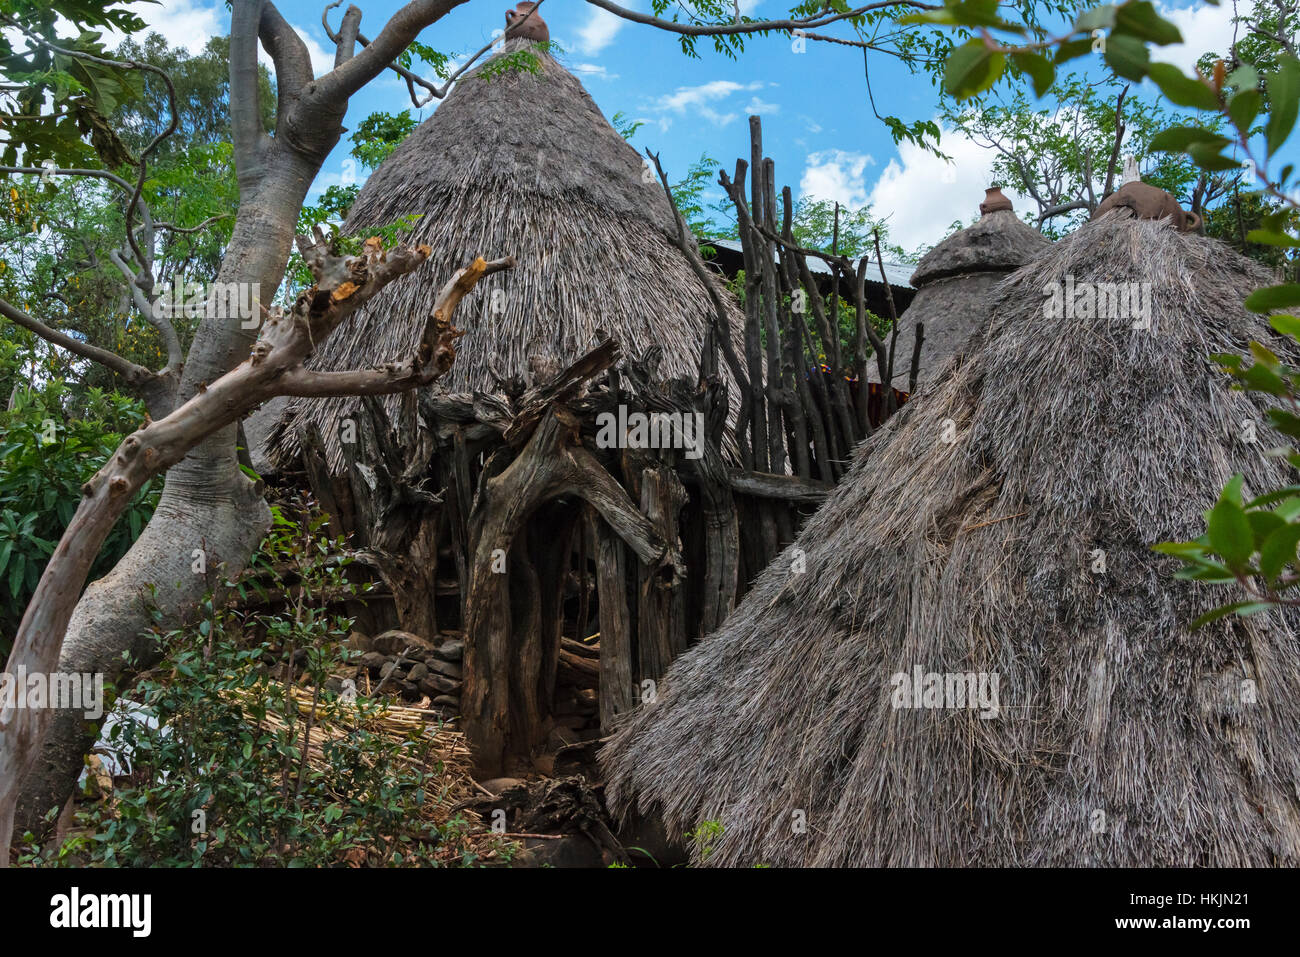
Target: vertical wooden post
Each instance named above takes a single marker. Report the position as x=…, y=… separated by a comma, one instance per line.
x=618, y=673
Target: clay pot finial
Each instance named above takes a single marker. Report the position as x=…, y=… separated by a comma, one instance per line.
x=1144, y=201
x=994, y=201
x=534, y=28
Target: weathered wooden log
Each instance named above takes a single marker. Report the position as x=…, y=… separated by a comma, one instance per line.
x=588, y=669
x=581, y=649
x=536, y=401
x=552, y=464
x=787, y=488
x=618, y=675
x=551, y=547
x=331, y=491
x=661, y=622
x=395, y=512
x=721, y=572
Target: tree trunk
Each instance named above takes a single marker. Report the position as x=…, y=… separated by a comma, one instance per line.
x=207, y=504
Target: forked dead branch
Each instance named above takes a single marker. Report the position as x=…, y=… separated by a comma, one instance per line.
x=274, y=367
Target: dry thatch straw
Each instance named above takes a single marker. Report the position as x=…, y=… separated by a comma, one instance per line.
x=335, y=721
x=435, y=748
x=1123, y=738
x=523, y=164
x=954, y=283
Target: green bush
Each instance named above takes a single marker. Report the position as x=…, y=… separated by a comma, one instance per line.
x=51, y=442
x=223, y=778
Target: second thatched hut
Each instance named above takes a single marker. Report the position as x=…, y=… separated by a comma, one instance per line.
x=994, y=542
x=954, y=283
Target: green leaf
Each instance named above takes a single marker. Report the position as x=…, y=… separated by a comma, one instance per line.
x=972, y=68
x=1176, y=139
x=1268, y=237
x=1290, y=509
x=1245, y=77
x=1274, y=297
x=1268, y=498
x=1288, y=423
x=1230, y=534
x=1278, y=550
x=1141, y=20
x=16, y=574
x=1242, y=608
x=1073, y=49
x=1263, y=524
x=1039, y=68
x=1228, y=360
x=1232, y=491
x=943, y=18
x=1265, y=355
x=1243, y=108
x=1127, y=56
x=1287, y=325
x=1098, y=18
x=1207, y=157
x=1188, y=550
x=1181, y=89
x=964, y=13
x=1259, y=378
x=1284, y=101
x=1215, y=574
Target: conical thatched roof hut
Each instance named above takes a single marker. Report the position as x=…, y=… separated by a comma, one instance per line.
x=1003, y=527
x=522, y=162
x=955, y=280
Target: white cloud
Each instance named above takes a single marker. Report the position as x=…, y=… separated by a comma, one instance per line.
x=922, y=195
x=696, y=96
x=325, y=179
x=594, y=69
x=699, y=101
x=837, y=175
x=1204, y=29
x=190, y=24
x=758, y=107
x=600, y=29
x=716, y=118
x=182, y=23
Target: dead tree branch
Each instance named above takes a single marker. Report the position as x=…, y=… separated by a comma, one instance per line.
x=344, y=285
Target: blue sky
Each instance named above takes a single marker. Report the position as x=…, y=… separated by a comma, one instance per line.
x=818, y=125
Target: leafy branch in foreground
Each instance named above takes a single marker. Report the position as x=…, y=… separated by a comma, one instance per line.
x=1253, y=543
x=1255, y=94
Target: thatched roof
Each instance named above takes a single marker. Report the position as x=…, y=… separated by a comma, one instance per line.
x=522, y=163
x=997, y=242
x=954, y=283
x=1122, y=738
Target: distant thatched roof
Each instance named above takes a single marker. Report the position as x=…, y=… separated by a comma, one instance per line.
x=522, y=163
x=1123, y=738
x=996, y=242
x=954, y=282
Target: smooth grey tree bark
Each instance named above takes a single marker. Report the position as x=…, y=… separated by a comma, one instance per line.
x=207, y=502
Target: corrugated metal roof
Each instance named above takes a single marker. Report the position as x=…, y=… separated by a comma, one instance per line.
x=898, y=273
